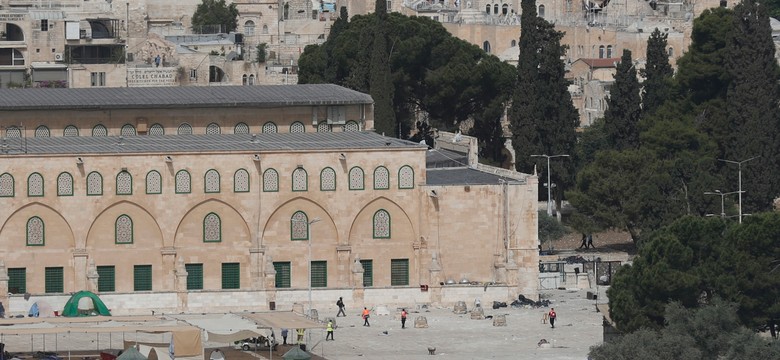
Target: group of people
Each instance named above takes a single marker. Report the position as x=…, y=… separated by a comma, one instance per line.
x=587, y=241
x=366, y=314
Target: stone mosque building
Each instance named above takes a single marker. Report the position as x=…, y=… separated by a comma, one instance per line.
x=210, y=199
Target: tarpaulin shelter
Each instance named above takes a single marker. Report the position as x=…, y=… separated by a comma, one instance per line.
x=131, y=353
x=296, y=354
x=40, y=308
x=72, y=306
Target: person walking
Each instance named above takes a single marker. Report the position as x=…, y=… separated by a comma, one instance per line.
x=284, y=336
x=330, y=331
x=590, y=241
x=366, y=315
x=403, y=318
x=552, y=315
x=300, y=336
x=340, y=304
x=584, y=241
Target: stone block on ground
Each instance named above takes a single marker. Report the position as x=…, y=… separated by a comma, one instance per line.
x=460, y=307
x=499, y=320
x=421, y=322
x=477, y=313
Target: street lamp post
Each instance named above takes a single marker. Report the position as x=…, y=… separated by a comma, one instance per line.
x=549, y=184
x=722, y=203
x=739, y=164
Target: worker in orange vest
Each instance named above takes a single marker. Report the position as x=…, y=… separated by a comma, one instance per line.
x=365, y=317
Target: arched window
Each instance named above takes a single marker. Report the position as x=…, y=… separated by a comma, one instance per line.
x=300, y=180
x=299, y=226
x=99, y=130
x=251, y=79
x=269, y=128
x=286, y=13
x=297, y=127
x=211, y=181
x=265, y=29
x=270, y=180
x=241, y=181
x=124, y=183
x=213, y=129
x=156, y=129
x=94, y=183
x=609, y=51
x=323, y=127
x=541, y=11
x=13, y=132
x=212, y=228
x=153, y=182
x=601, y=52
x=351, y=126
x=184, y=129
x=381, y=224
x=487, y=9
x=123, y=230
x=241, y=128
x=249, y=28
x=70, y=130
x=35, y=185
x=671, y=51
x=406, y=177
x=35, y=232
x=42, y=131
x=381, y=178
x=183, y=182
x=513, y=43
x=327, y=179
x=65, y=184
x=244, y=79
x=356, y=178
x=504, y=9
x=495, y=9
x=7, y=185
x=486, y=46
x=128, y=130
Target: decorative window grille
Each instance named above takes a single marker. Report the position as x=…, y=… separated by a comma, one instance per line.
x=128, y=130
x=124, y=230
x=328, y=179
x=211, y=181
x=65, y=184
x=94, y=183
x=381, y=178
x=356, y=178
x=99, y=130
x=6, y=185
x=241, y=128
x=270, y=180
x=70, y=131
x=269, y=128
x=42, y=131
x=299, y=226
x=35, y=185
x=406, y=177
x=156, y=130
x=124, y=183
x=241, y=181
x=213, y=129
x=297, y=127
x=153, y=182
x=212, y=228
x=183, y=182
x=184, y=129
x=299, y=180
x=35, y=232
x=381, y=224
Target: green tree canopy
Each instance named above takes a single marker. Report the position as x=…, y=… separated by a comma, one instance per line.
x=712, y=331
x=431, y=71
x=657, y=72
x=695, y=260
x=215, y=12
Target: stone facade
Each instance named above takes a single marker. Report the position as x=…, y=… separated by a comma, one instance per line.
x=188, y=227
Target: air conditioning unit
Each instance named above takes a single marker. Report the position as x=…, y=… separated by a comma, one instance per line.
x=59, y=57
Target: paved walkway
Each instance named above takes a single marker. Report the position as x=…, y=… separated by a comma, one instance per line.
x=454, y=336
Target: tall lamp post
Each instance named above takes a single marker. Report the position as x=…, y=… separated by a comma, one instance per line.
x=549, y=184
x=739, y=164
x=722, y=203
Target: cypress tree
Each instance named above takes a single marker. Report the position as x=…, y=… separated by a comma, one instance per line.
x=752, y=102
x=380, y=78
x=658, y=73
x=623, y=107
x=542, y=118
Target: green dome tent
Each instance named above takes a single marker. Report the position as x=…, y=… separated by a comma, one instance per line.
x=72, y=306
x=131, y=354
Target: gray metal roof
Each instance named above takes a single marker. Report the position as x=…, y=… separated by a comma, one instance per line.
x=463, y=176
x=180, y=97
x=172, y=144
x=443, y=158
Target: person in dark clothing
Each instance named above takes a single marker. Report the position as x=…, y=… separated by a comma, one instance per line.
x=590, y=241
x=284, y=336
x=340, y=304
x=403, y=318
x=584, y=241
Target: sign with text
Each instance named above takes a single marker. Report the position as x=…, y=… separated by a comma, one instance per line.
x=147, y=77
x=12, y=17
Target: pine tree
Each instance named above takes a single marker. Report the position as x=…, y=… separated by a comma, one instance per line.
x=752, y=101
x=542, y=118
x=623, y=107
x=658, y=73
x=380, y=78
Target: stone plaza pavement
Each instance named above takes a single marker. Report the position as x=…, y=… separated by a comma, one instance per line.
x=455, y=336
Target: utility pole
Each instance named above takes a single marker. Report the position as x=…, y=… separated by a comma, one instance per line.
x=739, y=164
x=549, y=184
